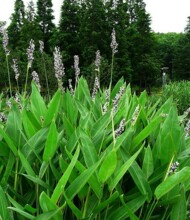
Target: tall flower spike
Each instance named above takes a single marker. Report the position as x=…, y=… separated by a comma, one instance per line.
x=71, y=87
x=121, y=128
x=117, y=98
x=76, y=67
x=36, y=79
x=96, y=87
x=15, y=69
x=5, y=40
x=135, y=115
x=41, y=46
x=30, y=53
x=98, y=60
x=58, y=66
x=105, y=107
x=114, y=44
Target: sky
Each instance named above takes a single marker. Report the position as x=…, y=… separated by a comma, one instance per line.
x=166, y=15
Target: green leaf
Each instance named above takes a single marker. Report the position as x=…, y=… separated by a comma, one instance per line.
x=88, y=149
x=45, y=203
x=121, y=172
x=81, y=180
x=146, y=132
x=108, y=166
x=51, y=143
x=53, y=108
x=63, y=181
x=21, y=212
x=106, y=203
x=51, y=215
x=4, y=212
x=9, y=169
x=30, y=124
x=72, y=206
x=172, y=181
x=148, y=163
x=38, y=181
x=26, y=165
x=38, y=106
x=9, y=141
x=179, y=209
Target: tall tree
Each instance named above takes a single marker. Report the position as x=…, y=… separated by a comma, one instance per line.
x=17, y=19
x=142, y=43
x=182, y=59
x=45, y=19
x=93, y=33
x=118, y=18
x=30, y=29
x=69, y=26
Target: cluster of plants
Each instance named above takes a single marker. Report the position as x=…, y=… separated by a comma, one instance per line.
x=100, y=154
x=180, y=92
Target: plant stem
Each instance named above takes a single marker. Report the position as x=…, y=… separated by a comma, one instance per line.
x=26, y=82
x=111, y=77
x=45, y=71
x=86, y=203
x=151, y=209
x=9, y=78
x=16, y=175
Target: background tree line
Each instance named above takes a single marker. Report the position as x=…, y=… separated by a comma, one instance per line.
x=85, y=26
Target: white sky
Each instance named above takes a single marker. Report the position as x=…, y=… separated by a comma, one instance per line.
x=166, y=15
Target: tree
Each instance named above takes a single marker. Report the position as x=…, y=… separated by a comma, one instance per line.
x=17, y=19
x=142, y=44
x=93, y=32
x=68, y=35
x=182, y=58
x=45, y=20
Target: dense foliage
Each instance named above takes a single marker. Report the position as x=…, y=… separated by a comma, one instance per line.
x=85, y=27
x=109, y=155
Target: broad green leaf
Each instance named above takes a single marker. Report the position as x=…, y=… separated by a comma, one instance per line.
x=81, y=180
x=122, y=213
x=63, y=181
x=37, y=180
x=45, y=203
x=4, y=149
x=106, y=203
x=21, y=212
x=108, y=166
x=169, y=138
x=53, y=108
x=93, y=181
x=31, y=126
x=73, y=207
x=172, y=181
x=35, y=145
x=146, y=132
x=148, y=163
x=51, y=143
x=88, y=149
x=38, y=106
x=26, y=165
x=100, y=125
x=9, y=169
x=121, y=172
x=9, y=141
x=130, y=212
x=14, y=125
x=51, y=215
x=179, y=209
x=4, y=212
